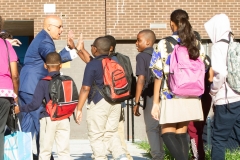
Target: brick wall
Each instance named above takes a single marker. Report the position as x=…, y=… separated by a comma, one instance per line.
x=124, y=18
x=86, y=16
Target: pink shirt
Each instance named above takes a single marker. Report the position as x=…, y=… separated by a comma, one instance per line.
x=6, y=85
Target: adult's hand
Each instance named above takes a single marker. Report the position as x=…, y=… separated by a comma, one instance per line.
x=70, y=42
x=14, y=42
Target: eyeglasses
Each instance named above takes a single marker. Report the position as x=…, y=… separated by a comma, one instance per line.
x=59, y=27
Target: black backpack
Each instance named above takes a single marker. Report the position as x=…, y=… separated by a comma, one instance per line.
x=63, y=97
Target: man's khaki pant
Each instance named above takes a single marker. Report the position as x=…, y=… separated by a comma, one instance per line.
x=58, y=131
x=102, y=124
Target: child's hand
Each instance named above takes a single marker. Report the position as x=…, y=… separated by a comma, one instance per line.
x=136, y=110
x=79, y=116
x=16, y=109
x=80, y=44
x=155, y=111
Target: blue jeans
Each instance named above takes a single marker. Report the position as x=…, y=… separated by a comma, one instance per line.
x=226, y=121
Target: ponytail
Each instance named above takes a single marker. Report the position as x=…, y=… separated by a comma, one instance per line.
x=188, y=38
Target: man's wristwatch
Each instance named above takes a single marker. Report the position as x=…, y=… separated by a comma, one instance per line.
x=77, y=50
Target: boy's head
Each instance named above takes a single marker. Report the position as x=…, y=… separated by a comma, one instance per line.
x=113, y=43
x=100, y=46
x=53, y=62
x=145, y=38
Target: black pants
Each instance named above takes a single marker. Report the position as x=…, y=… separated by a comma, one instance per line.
x=4, y=110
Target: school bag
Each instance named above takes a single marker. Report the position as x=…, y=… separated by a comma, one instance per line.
x=116, y=86
x=186, y=76
x=233, y=61
x=63, y=97
x=125, y=62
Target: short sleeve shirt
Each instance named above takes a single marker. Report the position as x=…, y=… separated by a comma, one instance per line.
x=93, y=73
x=6, y=85
x=142, y=68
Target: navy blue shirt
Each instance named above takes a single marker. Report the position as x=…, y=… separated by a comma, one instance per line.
x=94, y=73
x=41, y=92
x=142, y=68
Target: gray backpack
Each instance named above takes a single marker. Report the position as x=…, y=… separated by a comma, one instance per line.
x=233, y=64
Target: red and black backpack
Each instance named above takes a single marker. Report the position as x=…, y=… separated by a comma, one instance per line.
x=63, y=97
x=116, y=87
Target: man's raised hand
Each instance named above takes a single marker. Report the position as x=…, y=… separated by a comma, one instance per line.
x=70, y=42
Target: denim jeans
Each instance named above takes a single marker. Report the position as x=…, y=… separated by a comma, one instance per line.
x=226, y=121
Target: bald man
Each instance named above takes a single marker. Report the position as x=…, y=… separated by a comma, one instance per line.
x=33, y=69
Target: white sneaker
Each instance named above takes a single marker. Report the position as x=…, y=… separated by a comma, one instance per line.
x=122, y=157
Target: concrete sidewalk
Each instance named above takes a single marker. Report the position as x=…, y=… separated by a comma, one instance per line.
x=81, y=150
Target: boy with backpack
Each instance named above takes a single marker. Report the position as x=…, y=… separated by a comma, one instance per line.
x=58, y=130
x=102, y=115
x=125, y=62
x=145, y=41
x=123, y=59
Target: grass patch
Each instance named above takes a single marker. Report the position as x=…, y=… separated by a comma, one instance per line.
x=145, y=146
x=229, y=155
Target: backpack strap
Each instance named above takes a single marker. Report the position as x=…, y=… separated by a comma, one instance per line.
x=171, y=40
x=47, y=78
x=229, y=38
x=96, y=88
x=226, y=41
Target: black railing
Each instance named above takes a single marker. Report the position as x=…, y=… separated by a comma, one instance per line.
x=130, y=107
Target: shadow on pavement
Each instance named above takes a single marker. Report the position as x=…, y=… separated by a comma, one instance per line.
x=87, y=156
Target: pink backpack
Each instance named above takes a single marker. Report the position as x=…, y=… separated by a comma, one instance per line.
x=186, y=76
